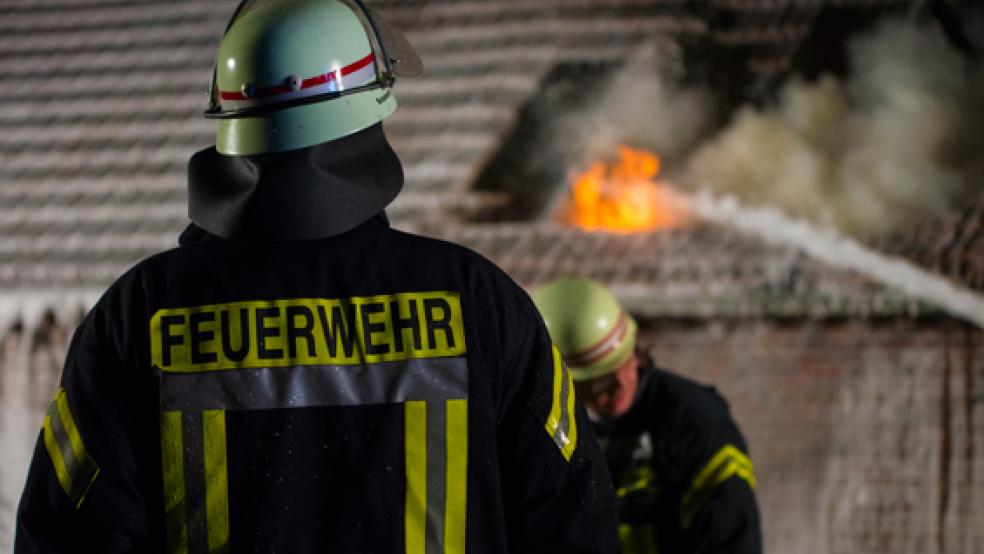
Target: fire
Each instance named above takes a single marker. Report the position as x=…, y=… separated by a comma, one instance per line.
x=624, y=196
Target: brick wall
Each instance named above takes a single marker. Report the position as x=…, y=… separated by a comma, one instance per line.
x=863, y=433
x=30, y=367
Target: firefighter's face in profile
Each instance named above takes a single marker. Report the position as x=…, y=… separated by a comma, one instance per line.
x=611, y=395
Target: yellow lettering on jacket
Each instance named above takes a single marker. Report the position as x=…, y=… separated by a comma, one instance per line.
x=308, y=331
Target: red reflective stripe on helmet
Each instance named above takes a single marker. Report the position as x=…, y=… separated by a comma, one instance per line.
x=309, y=82
x=317, y=80
x=604, y=347
x=355, y=66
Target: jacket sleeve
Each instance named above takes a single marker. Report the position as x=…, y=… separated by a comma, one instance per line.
x=87, y=483
x=728, y=523
x=718, y=512
x=558, y=491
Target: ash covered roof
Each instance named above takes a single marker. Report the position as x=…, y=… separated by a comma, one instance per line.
x=100, y=109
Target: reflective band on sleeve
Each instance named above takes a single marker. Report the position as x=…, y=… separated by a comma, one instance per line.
x=55, y=453
x=457, y=493
x=216, y=480
x=561, y=425
x=415, y=447
x=571, y=421
x=75, y=469
x=172, y=464
x=728, y=462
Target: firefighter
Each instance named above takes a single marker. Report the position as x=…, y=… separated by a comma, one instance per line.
x=297, y=376
x=680, y=465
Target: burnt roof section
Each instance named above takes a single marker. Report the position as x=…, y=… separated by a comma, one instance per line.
x=101, y=101
x=696, y=272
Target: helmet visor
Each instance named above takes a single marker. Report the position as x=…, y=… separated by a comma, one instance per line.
x=403, y=59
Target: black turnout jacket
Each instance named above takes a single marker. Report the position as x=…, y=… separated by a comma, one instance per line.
x=372, y=391
x=682, y=474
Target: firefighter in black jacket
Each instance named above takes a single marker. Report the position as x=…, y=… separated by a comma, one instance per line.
x=297, y=376
x=683, y=476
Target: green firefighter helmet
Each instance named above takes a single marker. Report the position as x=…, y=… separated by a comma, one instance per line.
x=592, y=331
x=295, y=73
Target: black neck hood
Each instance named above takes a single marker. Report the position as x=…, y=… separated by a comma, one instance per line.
x=315, y=192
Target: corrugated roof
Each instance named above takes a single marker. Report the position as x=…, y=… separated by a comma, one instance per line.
x=701, y=271
x=100, y=108
x=952, y=245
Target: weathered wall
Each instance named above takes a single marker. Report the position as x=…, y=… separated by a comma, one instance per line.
x=30, y=366
x=866, y=436
x=863, y=434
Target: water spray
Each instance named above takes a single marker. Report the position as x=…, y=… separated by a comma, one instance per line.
x=842, y=252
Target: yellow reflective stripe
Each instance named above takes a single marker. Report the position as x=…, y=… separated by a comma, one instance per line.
x=626, y=544
x=308, y=331
x=560, y=424
x=216, y=480
x=568, y=449
x=726, y=452
x=637, y=539
x=553, y=420
x=415, y=447
x=61, y=471
x=455, y=515
x=65, y=414
x=75, y=470
x=172, y=465
x=726, y=463
x=643, y=481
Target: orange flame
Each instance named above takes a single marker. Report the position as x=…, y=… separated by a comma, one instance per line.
x=623, y=197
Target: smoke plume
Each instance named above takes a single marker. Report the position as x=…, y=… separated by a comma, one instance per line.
x=642, y=105
x=896, y=143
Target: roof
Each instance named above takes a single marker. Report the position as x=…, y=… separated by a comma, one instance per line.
x=952, y=245
x=100, y=109
x=698, y=272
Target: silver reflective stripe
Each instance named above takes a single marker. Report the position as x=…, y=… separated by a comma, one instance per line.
x=64, y=444
x=562, y=434
x=310, y=386
x=81, y=473
x=437, y=471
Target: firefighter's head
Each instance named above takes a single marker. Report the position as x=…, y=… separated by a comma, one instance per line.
x=295, y=73
x=597, y=339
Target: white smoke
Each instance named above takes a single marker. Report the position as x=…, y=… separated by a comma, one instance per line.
x=896, y=143
x=642, y=105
